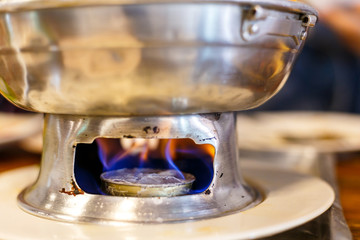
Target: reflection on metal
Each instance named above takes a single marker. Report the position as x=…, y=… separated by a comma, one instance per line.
x=146, y=182
x=258, y=21
x=141, y=59
x=227, y=192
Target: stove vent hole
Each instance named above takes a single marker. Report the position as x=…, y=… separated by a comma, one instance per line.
x=148, y=161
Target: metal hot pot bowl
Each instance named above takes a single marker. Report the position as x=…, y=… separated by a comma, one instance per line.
x=161, y=57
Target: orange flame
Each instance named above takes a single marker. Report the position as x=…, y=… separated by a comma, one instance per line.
x=152, y=148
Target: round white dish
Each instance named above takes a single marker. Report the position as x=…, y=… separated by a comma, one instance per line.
x=290, y=199
x=286, y=131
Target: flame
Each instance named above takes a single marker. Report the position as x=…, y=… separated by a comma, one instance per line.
x=111, y=152
x=109, y=155
x=182, y=155
x=169, y=155
x=187, y=146
x=145, y=153
x=209, y=149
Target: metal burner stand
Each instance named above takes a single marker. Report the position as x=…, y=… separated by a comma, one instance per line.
x=49, y=196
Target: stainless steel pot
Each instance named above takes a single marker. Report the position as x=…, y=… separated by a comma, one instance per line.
x=147, y=57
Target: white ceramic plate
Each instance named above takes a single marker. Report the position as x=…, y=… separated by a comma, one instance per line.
x=283, y=131
x=291, y=199
x=15, y=126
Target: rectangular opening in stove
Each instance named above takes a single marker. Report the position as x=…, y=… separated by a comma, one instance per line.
x=144, y=167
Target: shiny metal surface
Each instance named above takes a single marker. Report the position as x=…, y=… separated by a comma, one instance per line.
x=114, y=183
x=23, y=5
x=153, y=58
x=48, y=196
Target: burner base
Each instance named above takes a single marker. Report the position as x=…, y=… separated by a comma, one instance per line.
x=57, y=195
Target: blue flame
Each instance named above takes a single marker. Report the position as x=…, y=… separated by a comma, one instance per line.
x=199, y=161
x=108, y=161
x=188, y=156
x=102, y=156
x=113, y=157
x=170, y=161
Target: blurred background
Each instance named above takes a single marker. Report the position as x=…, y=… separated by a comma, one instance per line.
x=326, y=76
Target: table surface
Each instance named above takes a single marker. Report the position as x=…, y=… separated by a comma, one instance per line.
x=348, y=174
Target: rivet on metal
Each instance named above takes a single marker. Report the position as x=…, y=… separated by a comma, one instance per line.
x=253, y=29
x=309, y=20
x=257, y=12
